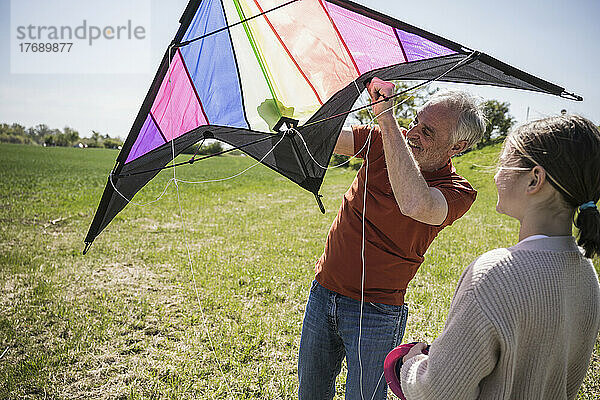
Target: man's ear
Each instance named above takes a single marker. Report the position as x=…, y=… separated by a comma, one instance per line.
x=536, y=179
x=457, y=148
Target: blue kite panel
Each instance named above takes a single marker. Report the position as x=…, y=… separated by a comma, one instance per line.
x=212, y=67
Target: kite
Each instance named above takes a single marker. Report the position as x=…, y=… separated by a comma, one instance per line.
x=277, y=80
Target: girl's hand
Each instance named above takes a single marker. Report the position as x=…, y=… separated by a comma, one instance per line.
x=415, y=350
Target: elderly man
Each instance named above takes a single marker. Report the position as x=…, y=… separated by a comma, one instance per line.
x=404, y=194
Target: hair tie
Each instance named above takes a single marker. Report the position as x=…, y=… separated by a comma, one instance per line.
x=589, y=204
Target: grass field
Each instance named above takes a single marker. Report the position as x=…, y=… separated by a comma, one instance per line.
x=124, y=321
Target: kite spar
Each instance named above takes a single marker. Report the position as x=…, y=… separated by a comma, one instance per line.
x=247, y=71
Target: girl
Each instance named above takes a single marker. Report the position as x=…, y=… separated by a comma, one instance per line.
x=524, y=320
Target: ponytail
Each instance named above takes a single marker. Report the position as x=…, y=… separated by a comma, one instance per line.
x=588, y=223
x=568, y=148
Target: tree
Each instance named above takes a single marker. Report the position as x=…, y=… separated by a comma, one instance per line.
x=206, y=149
x=112, y=143
x=17, y=130
x=213, y=148
x=499, y=121
x=33, y=138
x=96, y=140
x=14, y=133
x=49, y=140
x=71, y=136
x=40, y=132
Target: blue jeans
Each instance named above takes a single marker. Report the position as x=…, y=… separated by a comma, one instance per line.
x=330, y=332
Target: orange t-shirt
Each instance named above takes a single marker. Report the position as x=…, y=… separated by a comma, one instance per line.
x=394, y=243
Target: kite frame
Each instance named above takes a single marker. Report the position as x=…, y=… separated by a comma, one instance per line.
x=311, y=184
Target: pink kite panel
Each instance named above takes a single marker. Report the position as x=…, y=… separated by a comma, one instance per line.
x=176, y=108
x=372, y=43
x=418, y=48
x=313, y=45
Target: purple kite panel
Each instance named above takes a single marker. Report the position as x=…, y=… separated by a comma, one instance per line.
x=418, y=48
x=148, y=139
x=372, y=44
x=176, y=108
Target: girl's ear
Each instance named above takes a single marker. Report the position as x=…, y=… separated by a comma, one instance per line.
x=537, y=178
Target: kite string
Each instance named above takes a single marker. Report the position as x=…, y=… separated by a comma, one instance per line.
x=426, y=84
x=130, y=201
x=187, y=247
x=363, y=246
x=228, y=27
x=362, y=253
x=175, y=180
x=191, y=264
x=243, y=171
x=352, y=156
x=363, y=258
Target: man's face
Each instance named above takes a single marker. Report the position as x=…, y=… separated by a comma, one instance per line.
x=429, y=136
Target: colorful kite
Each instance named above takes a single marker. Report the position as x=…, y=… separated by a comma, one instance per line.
x=244, y=71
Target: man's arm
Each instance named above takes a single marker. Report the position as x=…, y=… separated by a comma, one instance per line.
x=414, y=197
x=345, y=143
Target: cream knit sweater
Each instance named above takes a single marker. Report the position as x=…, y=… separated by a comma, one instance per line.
x=522, y=325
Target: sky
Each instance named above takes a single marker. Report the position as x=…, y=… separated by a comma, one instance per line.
x=558, y=41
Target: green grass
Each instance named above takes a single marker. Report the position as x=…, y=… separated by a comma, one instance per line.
x=124, y=322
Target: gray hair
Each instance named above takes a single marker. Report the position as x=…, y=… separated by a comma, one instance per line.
x=471, y=121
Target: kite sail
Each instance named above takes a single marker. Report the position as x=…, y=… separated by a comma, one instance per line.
x=241, y=71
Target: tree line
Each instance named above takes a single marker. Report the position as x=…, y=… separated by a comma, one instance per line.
x=42, y=135
x=45, y=136
x=499, y=123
